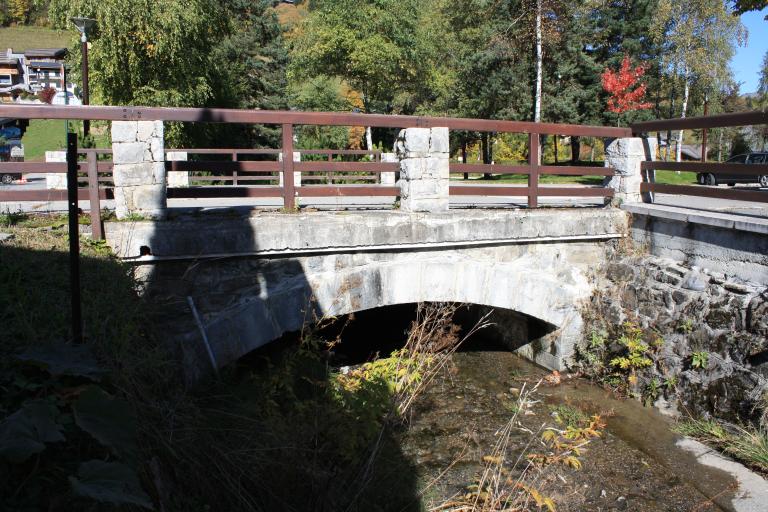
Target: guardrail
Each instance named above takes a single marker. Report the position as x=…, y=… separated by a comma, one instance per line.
x=703, y=167
x=239, y=170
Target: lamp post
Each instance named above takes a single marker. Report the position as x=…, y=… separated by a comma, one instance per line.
x=84, y=25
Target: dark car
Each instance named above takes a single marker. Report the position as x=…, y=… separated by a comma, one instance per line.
x=716, y=178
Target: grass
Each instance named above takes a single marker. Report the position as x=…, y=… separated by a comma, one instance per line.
x=48, y=135
x=663, y=177
x=43, y=135
x=26, y=38
x=747, y=445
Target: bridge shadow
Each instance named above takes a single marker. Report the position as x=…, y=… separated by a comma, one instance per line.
x=273, y=429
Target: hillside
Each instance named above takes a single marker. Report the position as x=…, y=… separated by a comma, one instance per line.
x=24, y=38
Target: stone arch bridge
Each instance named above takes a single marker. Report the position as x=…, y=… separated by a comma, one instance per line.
x=253, y=278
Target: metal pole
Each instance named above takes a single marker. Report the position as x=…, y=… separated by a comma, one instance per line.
x=74, y=240
x=86, y=100
x=704, y=131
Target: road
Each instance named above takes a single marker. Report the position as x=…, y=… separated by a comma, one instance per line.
x=37, y=182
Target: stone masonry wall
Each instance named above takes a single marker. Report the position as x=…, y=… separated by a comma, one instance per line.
x=692, y=310
x=424, y=171
x=138, y=154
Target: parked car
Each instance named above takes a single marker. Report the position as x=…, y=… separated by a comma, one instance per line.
x=8, y=151
x=731, y=179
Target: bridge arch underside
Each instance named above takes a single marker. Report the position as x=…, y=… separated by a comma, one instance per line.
x=545, y=282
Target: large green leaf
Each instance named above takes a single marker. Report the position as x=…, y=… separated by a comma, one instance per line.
x=26, y=431
x=109, y=482
x=62, y=359
x=109, y=420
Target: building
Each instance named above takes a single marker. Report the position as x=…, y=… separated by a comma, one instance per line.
x=31, y=72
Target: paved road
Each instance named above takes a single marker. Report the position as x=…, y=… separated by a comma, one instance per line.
x=37, y=182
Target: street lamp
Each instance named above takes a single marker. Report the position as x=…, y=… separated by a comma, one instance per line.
x=84, y=25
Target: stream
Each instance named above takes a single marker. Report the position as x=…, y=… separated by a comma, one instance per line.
x=634, y=465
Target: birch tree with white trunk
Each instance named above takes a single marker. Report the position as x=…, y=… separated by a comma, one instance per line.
x=700, y=37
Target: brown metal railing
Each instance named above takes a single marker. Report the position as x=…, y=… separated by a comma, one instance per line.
x=703, y=167
x=249, y=170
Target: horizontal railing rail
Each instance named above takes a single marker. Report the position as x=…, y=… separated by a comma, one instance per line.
x=280, y=117
x=350, y=175
x=723, y=172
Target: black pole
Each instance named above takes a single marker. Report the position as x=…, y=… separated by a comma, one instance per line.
x=74, y=239
x=86, y=99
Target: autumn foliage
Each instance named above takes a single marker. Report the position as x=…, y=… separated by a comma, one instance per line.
x=626, y=93
x=46, y=95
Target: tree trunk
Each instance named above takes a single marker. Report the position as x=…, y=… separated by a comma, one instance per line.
x=486, y=154
x=537, y=101
x=575, y=149
x=368, y=138
x=686, y=91
x=720, y=145
x=464, y=156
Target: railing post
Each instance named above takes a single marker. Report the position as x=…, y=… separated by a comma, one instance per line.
x=424, y=169
x=177, y=178
x=330, y=173
x=97, y=232
x=289, y=200
x=138, y=156
x=534, y=160
x=388, y=178
x=234, y=171
x=55, y=180
x=625, y=156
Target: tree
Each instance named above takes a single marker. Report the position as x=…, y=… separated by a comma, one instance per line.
x=762, y=88
x=250, y=70
x=626, y=91
x=18, y=10
x=742, y=6
x=373, y=46
x=149, y=52
x=699, y=37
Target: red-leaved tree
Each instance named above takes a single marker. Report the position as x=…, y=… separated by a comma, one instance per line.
x=626, y=93
x=46, y=95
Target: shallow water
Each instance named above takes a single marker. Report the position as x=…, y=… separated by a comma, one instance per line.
x=635, y=465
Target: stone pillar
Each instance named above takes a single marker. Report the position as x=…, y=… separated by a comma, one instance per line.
x=177, y=178
x=625, y=155
x=56, y=181
x=138, y=156
x=296, y=175
x=424, y=177
x=388, y=178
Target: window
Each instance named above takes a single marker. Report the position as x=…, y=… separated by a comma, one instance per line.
x=6, y=80
x=757, y=159
x=738, y=159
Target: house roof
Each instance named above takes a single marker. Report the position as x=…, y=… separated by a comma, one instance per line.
x=9, y=62
x=46, y=53
x=43, y=64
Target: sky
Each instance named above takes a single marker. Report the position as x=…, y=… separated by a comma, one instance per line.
x=748, y=60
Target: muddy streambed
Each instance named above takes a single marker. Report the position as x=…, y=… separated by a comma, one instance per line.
x=634, y=465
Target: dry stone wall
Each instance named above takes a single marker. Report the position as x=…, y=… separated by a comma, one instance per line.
x=697, y=313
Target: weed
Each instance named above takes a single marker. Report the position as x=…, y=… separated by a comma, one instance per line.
x=670, y=382
x=652, y=391
x=10, y=218
x=134, y=217
x=568, y=415
x=700, y=360
x=686, y=326
x=746, y=444
x=702, y=429
x=637, y=350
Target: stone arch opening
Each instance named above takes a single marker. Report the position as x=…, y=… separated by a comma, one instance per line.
x=363, y=335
